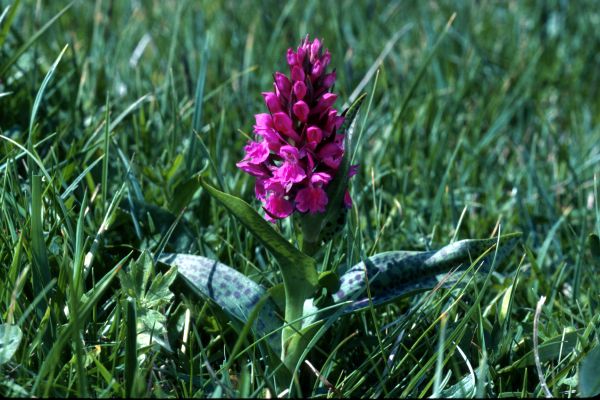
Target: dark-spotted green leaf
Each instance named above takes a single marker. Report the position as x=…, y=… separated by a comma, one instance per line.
x=589, y=374
x=395, y=274
x=10, y=339
x=231, y=290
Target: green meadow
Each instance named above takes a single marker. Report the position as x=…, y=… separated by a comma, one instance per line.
x=118, y=119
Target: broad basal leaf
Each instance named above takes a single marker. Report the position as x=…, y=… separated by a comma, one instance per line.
x=235, y=293
x=395, y=274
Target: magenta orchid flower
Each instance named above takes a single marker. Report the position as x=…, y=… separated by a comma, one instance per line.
x=298, y=147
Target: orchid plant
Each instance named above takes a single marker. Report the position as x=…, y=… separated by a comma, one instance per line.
x=300, y=160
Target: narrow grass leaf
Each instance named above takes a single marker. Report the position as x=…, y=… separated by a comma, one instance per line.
x=423, y=68
x=42, y=89
x=9, y=14
x=92, y=296
x=131, y=362
x=197, y=118
x=41, y=268
x=30, y=41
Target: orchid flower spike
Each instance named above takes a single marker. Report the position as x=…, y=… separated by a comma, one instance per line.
x=298, y=146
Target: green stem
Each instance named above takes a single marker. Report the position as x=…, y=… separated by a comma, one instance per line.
x=294, y=339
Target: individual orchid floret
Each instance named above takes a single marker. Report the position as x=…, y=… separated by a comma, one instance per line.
x=298, y=147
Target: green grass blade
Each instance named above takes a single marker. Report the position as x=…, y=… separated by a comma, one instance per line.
x=131, y=361
x=4, y=67
x=36, y=105
x=8, y=13
x=106, y=158
x=199, y=104
x=423, y=68
x=52, y=360
x=41, y=268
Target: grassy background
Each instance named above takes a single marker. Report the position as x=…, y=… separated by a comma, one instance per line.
x=498, y=128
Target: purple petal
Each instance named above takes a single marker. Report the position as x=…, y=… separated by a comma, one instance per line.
x=259, y=189
x=291, y=57
x=326, y=58
x=274, y=187
x=264, y=127
x=289, y=153
x=283, y=124
x=264, y=120
x=300, y=55
x=259, y=171
x=328, y=80
x=330, y=124
x=272, y=101
x=320, y=178
x=317, y=70
x=331, y=155
x=301, y=110
x=347, y=200
x=299, y=90
x=311, y=199
x=314, y=49
x=283, y=84
x=278, y=207
x=324, y=103
x=314, y=136
x=256, y=152
x=297, y=74
x=289, y=173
